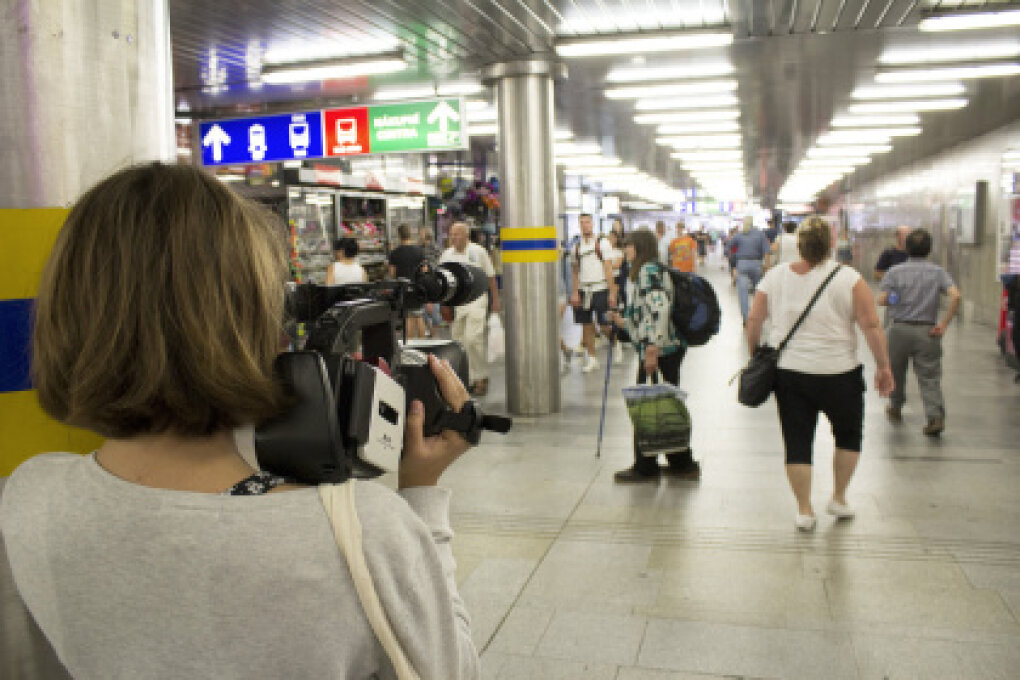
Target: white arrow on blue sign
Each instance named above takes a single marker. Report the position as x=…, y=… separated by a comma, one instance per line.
x=262, y=139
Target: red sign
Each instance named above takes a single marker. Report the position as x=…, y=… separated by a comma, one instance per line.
x=346, y=131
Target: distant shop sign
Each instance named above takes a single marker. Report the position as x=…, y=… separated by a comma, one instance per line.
x=408, y=127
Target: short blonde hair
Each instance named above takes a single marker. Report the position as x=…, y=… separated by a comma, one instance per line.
x=161, y=307
x=814, y=239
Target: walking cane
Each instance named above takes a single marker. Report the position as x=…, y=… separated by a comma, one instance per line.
x=605, y=388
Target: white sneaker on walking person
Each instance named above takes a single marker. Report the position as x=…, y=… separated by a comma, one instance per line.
x=591, y=365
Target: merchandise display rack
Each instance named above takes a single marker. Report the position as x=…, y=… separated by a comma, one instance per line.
x=311, y=216
x=363, y=215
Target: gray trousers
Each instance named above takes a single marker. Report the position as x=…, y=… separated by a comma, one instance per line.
x=906, y=342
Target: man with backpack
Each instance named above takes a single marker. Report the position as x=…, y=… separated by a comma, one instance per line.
x=594, y=289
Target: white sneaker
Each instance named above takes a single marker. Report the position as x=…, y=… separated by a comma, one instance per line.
x=839, y=510
x=591, y=365
x=805, y=522
x=618, y=356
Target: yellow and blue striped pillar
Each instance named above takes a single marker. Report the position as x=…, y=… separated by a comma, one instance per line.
x=524, y=98
x=26, y=238
x=82, y=100
x=529, y=245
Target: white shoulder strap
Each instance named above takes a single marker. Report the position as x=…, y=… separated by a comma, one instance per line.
x=338, y=500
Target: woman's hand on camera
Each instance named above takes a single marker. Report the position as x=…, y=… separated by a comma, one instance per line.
x=426, y=458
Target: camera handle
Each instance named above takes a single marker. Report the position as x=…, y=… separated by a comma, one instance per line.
x=470, y=421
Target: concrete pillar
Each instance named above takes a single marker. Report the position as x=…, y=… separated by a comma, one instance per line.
x=524, y=98
x=85, y=89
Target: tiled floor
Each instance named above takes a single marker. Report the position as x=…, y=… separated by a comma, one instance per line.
x=569, y=575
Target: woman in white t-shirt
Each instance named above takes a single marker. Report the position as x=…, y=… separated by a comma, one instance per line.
x=345, y=268
x=819, y=369
x=784, y=248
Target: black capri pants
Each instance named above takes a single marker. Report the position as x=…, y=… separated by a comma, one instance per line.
x=800, y=396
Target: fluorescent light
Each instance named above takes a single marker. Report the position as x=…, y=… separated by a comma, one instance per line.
x=915, y=75
x=589, y=161
x=1011, y=156
x=560, y=135
x=713, y=166
x=866, y=136
x=459, y=88
x=698, y=128
x=674, y=72
x=417, y=92
x=576, y=149
x=834, y=162
x=954, y=52
x=687, y=116
x=685, y=88
x=947, y=89
x=847, y=151
x=970, y=20
x=482, y=115
x=908, y=105
x=606, y=173
x=701, y=141
x=709, y=102
x=482, y=130
x=876, y=121
x=323, y=69
x=636, y=43
x=310, y=50
x=721, y=155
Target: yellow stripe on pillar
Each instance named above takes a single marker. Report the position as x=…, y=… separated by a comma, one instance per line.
x=26, y=239
x=28, y=431
x=526, y=233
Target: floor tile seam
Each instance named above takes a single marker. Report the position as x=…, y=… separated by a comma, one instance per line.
x=841, y=625
x=916, y=550
x=868, y=552
x=538, y=564
x=802, y=550
x=570, y=527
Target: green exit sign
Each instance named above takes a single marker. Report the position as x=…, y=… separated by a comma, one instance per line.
x=417, y=126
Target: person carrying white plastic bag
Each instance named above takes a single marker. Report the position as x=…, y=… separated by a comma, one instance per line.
x=496, y=344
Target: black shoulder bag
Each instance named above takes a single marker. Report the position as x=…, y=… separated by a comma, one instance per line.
x=758, y=378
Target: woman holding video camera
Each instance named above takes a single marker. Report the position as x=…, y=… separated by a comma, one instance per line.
x=164, y=554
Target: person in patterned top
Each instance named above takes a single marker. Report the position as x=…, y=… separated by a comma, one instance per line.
x=646, y=321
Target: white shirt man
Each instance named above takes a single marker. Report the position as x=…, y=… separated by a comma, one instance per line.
x=594, y=289
x=663, y=240
x=469, y=320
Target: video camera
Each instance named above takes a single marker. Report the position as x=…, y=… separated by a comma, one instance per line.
x=347, y=415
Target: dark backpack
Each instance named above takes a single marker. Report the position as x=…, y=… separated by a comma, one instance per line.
x=695, y=310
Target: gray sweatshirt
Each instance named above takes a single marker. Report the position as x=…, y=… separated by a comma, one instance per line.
x=128, y=581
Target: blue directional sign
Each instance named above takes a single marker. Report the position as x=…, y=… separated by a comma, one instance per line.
x=293, y=136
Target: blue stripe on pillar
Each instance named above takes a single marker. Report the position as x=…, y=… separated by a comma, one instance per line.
x=530, y=244
x=15, y=342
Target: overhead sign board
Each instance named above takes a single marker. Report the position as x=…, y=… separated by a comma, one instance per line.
x=286, y=137
x=388, y=128
x=417, y=126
